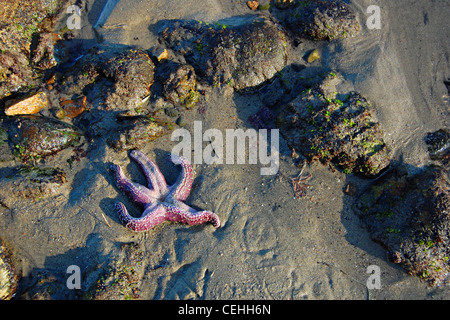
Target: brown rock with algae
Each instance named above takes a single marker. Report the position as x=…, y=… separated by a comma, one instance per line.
x=135, y=132
x=328, y=125
x=33, y=137
x=410, y=216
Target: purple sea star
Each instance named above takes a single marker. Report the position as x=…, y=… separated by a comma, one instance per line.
x=160, y=201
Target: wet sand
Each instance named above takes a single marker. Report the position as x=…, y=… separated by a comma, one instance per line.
x=270, y=245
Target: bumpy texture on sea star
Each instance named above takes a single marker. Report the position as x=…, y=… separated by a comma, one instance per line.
x=160, y=201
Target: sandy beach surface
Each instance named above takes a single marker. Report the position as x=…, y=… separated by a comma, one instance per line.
x=270, y=245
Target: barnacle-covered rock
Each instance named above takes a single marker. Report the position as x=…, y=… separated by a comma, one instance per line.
x=35, y=136
x=136, y=132
x=321, y=20
x=242, y=51
x=129, y=74
x=410, y=216
x=8, y=275
x=328, y=125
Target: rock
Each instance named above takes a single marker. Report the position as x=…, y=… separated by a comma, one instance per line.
x=283, y=4
x=313, y=56
x=31, y=183
x=33, y=137
x=439, y=145
x=136, y=132
x=15, y=73
x=6, y=153
x=43, y=56
x=331, y=125
x=409, y=215
x=21, y=21
x=30, y=105
x=161, y=54
x=321, y=20
x=71, y=108
x=180, y=86
x=126, y=73
x=122, y=278
x=253, y=5
x=242, y=51
x=8, y=276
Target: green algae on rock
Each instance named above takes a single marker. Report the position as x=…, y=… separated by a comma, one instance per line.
x=410, y=216
x=136, y=132
x=33, y=137
x=321, y=20
x=122, y=278
x=243, y=51
x=439, y=145
x=8, y=275
x=129, y=73
x=322, y=123
x=180, y=86
x=32, y=183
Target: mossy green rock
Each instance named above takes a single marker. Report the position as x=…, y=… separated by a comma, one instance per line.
x=331, y=125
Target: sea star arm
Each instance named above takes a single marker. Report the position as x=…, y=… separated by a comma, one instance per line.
x=181, y=212
x=151, y=171
x=181, y=188
x=151, y=217
x=137, y=192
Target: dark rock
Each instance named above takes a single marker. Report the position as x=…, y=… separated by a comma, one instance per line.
x=20, y=21
x=43, y=55
x=439, y=145
x=15, y=73
x=136, y=132
x=330, y=125
x=128, y=72
x=31, y=183
x=409, y=215
x=33, y=137
x=320, y=20
x=8, y=275
x=242, y=51
x=180, y=86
